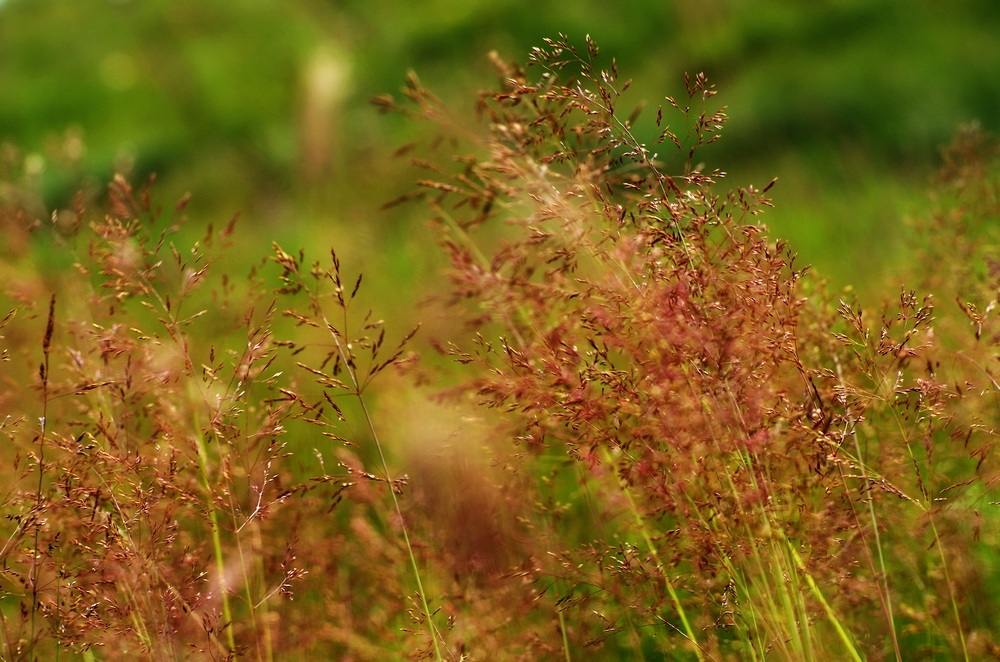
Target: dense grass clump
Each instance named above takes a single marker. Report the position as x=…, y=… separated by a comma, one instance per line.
x=652, y=435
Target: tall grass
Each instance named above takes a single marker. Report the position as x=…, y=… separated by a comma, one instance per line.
x=760, y=451
x=648, y=434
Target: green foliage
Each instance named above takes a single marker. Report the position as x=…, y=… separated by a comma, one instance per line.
x=840, y=100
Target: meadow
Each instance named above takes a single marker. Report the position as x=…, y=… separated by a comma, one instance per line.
x=620, y=419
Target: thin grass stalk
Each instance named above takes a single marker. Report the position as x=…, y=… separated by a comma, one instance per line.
x=263, y=604
x=565, y=635
x=797, y=623
x=43, y=371
x=131, y=593
x=356, y=384
x=3, y=627
x=885, y=597
x=928, y=511
x=141, y=632
x=775, y=575
x=644, y=531
x=248, y=591
x=688, y=631
x=818, y=594
x=193, y=615
x=751, y=641
x=138, y=623
x=951, y=587
x=220, y=561
x=796, y=613
x=250, y=582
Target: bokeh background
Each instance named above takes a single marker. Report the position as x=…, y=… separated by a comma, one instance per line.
x=262, y=106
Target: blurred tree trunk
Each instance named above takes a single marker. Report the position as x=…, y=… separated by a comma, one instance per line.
x=325, y=84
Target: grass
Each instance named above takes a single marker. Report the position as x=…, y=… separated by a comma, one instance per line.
x=642, y=432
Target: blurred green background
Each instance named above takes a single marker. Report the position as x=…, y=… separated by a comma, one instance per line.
x=261, y=106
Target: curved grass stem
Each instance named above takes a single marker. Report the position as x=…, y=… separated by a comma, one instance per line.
x=357, y=392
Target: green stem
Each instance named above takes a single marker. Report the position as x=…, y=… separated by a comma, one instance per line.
x=565, y=635
x=818, y=594
x=674, y=597
x=220, y=565
x=395, y=501
x=884, y=583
